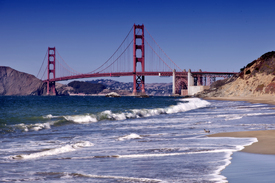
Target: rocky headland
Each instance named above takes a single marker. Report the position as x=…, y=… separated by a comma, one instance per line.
x=254, y=83
x=13, y=82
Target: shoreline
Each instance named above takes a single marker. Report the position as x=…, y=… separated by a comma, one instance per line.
x=266, y=138
x=255, y=160
x=256, y=99
x=265, y=144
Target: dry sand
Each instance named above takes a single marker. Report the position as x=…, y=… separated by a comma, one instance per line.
x=265, y=99
x=265, y=144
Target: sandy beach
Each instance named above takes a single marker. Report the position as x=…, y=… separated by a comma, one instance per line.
x=265, y=144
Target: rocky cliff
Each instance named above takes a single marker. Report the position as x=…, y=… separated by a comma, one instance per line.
x=13, y=82
x=255, y=79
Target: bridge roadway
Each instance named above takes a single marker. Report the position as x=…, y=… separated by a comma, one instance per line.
x=118, y=74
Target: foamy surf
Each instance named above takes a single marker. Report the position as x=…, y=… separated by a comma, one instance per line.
x=187, y=105
x=50, y=116
x=128, y=137
x=66, y=175
x=81, y=118
x=176, y=154
x=55, y=151
x=34, y=127
x=121, y=122
x=182, y=106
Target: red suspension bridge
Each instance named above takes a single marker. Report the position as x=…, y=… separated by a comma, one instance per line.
x=129, y=60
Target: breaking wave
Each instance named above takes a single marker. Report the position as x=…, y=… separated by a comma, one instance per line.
x=54, y=151
x=182, y=106
x=34, y=127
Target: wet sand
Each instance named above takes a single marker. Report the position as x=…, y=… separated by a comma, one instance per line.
x=252, y=168
x=265, y=144
x=266, y=138
x=256, y=162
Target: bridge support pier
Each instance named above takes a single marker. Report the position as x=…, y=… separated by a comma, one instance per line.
x=51, y=88
x=51, y=72
x=138, y=57
x=174, y=83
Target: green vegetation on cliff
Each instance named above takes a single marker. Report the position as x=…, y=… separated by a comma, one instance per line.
x=87, y=88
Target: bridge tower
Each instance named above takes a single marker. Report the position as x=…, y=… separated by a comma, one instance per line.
x=51, y=71
x=138, y=56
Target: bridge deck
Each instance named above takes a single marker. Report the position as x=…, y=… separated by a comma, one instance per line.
x=118, y=74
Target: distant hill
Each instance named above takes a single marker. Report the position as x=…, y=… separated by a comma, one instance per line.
x=86, y=87
x=13, y=82
x=255, y=79
x=155, y=89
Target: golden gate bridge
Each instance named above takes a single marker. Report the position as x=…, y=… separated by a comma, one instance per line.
x=129, y=60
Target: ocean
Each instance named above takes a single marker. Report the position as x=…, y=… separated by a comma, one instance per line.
x=126, y=139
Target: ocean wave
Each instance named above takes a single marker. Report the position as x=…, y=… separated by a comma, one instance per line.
x=175, y=154
x=66, y=175
x=55, y=151
x=81, y=118
x=34, y=127
x=161, y=154
x=240, y=116
x=182, y=106
x=50, y=116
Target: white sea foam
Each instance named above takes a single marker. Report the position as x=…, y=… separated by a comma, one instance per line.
x=182, y=106
x=67, y=175
x=81, y=118
x=110, y=115
x=260, y=114
x=50, y=116
x=35, y=127
x=237, y=148
x=192, y=103
x=124, y=178
x=131, y=136
x=55, y=151
x=233, y=117
x=240, y=116
x=217, y=177
x=216, y=174
x=175, y=154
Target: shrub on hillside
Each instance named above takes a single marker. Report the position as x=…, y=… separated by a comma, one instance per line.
x=268, y=55
x=87, y=88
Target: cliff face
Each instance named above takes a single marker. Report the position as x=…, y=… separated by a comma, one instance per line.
x=256, y=79
x=13, y=82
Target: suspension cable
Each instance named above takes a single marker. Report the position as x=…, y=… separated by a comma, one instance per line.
x=42, y=64
x=158, y=55
x=162, y=50
x=114, y=52
x=67, y=64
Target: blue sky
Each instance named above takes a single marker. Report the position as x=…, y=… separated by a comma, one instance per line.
x=199, y=34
